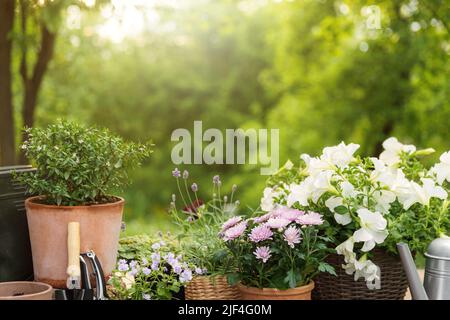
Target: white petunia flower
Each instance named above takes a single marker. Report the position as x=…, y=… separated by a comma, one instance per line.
x=422, y=194
x=392, y=150
x=442, y=169
x=315, y=165
x=340, y=155
x=383, y=199
x=267, y=201
x=322, y=184
x=334, y=202
x=373, y=229
x=300, y=192
x=346, y=249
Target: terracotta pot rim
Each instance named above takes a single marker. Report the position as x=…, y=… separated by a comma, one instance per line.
x=279, y=292
x=30, y=203
x=48, y=289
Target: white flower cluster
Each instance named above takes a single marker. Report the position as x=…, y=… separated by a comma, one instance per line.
x=328, y=181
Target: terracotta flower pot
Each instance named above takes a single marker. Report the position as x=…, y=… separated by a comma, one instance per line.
x=99, y=231
x=25, y=290
x=299, y=293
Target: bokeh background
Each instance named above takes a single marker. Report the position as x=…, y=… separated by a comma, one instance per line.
x=318, y=70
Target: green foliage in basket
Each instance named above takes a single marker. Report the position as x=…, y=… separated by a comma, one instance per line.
x=79, y=165
x=150, y=268
x=200, y=224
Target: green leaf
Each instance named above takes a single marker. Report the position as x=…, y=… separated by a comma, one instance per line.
x=341, y=209
x=325, y=267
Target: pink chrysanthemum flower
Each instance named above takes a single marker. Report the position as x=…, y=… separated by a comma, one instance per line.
x=292, y=236
x=230, y=223
x=263, y=218
x=235, y=232
x=262, y=253
x=288, y=213
x=260, y=233
x=312, y=218
x=277, y=223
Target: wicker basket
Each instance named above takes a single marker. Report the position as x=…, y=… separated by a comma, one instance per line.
x=343, y=287
x=211, y=288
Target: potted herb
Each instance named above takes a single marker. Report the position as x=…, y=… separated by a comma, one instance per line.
x=278, y=254
x=200, y=224
x=150, y=269
x=369, y=205
x=77, y=169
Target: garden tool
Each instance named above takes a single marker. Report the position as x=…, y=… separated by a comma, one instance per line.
x=73, y=291
x=437, y=270
x=100, y=290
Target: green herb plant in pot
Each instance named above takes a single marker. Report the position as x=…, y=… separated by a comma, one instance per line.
x=77, y=169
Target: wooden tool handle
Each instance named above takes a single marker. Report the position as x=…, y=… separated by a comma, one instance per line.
x=73, y=249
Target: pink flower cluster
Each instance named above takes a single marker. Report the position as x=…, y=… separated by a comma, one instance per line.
x=286, y=220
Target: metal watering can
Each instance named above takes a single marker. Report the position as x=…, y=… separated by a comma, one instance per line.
x=436, y=284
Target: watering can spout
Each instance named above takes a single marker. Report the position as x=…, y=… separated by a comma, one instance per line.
x=415, y=285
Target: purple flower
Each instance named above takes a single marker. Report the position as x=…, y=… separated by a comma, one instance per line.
x=262, y=253
x=146, y=296
x=155, y=265
x=123, y=265
x=134, y=271
x=230, y=223
x=292, y=236
x=176, y=173
x=186, y=276
x=156, y=246
x=185, y=174
x=198, y=271
x=156, y=257
x=194, y=187
x=170, y=258
x=177, y=268
x=144, y=261
x=312, y=218
x=277, y=223
x=216, y=180
x=133, y=263
x=146, y=271
x=260, y=233
x=235, y=232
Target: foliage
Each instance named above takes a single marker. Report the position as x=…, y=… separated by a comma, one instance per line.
x=200, y=223
x=369, y=202
x=150, y=269
x=77, y=165
x=309, y=68
x=281, y=249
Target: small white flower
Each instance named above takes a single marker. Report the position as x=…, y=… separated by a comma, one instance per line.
x=315, y=165
x=383, y=199
x=340, y=155
x=392, y=150
x=422, y=194
x=267, y=201
x=346, y=249
x=442, y=169
x=334, y=202
x=373, y=229
x=322, y=184
x=300, y=192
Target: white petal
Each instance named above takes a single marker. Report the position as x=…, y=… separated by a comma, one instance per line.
x=362, y=235
x=368, y=245
x=343, y=219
